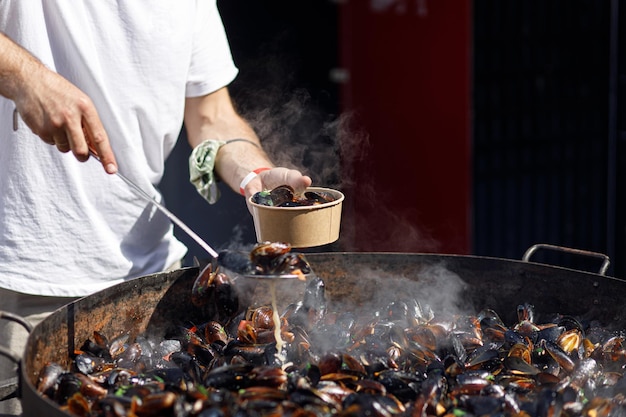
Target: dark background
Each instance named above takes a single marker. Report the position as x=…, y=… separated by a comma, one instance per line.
x=545, y=135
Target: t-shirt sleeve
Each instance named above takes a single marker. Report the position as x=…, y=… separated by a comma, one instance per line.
x=212, y=66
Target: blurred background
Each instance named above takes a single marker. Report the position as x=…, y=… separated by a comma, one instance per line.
x=472, y=127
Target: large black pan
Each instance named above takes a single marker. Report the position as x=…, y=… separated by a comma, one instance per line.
x=157, y=302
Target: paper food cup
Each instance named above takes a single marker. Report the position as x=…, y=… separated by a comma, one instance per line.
x=302, y=227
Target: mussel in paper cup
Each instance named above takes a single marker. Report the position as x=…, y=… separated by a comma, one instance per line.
x=307, y=220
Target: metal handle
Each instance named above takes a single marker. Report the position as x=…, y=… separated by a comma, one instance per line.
x=12, y=388
x=605, y=259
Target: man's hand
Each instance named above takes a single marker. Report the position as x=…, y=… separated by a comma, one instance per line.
x=214, y=116
x=272, y=178
x=54, y=109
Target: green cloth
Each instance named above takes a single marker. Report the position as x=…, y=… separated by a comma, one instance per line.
x=201, y=174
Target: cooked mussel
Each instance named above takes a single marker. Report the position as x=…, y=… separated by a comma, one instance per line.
x=285, y=196
x=275, y=197
x=275, y=258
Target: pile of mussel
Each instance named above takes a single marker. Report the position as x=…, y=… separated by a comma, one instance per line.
x=399, y=360
x=276, y=258
x=285, y=196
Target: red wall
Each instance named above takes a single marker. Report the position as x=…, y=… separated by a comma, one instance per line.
x=406, y=157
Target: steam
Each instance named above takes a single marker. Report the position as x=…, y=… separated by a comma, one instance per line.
x=434, y=286
x=298, y=133
x=367, y=292
x=237, y=241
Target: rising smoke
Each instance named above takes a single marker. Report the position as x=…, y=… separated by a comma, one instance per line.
x=296, y=133
x=302, y=126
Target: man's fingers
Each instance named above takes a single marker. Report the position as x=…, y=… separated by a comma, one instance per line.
x=98, y=142
x=62, y=143
x=78, y=142
x=295, y=179
x=279, y=176
x=298, y=181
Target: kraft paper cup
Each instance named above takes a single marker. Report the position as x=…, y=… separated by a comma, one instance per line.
x=302, y=227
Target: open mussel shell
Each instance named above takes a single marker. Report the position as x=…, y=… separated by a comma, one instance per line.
x=263, y=198
x=277, y=197
x=318, y=197
x=264, y=253
x=282, y=195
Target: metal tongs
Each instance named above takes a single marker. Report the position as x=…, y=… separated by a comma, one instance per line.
x=240, y=270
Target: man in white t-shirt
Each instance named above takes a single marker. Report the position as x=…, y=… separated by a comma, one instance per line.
x=120, y=76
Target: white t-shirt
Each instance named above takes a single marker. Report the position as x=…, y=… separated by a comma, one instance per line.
x=67, y=228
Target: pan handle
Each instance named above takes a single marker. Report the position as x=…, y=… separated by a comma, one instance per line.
x=12, y=387
x=605, y=259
